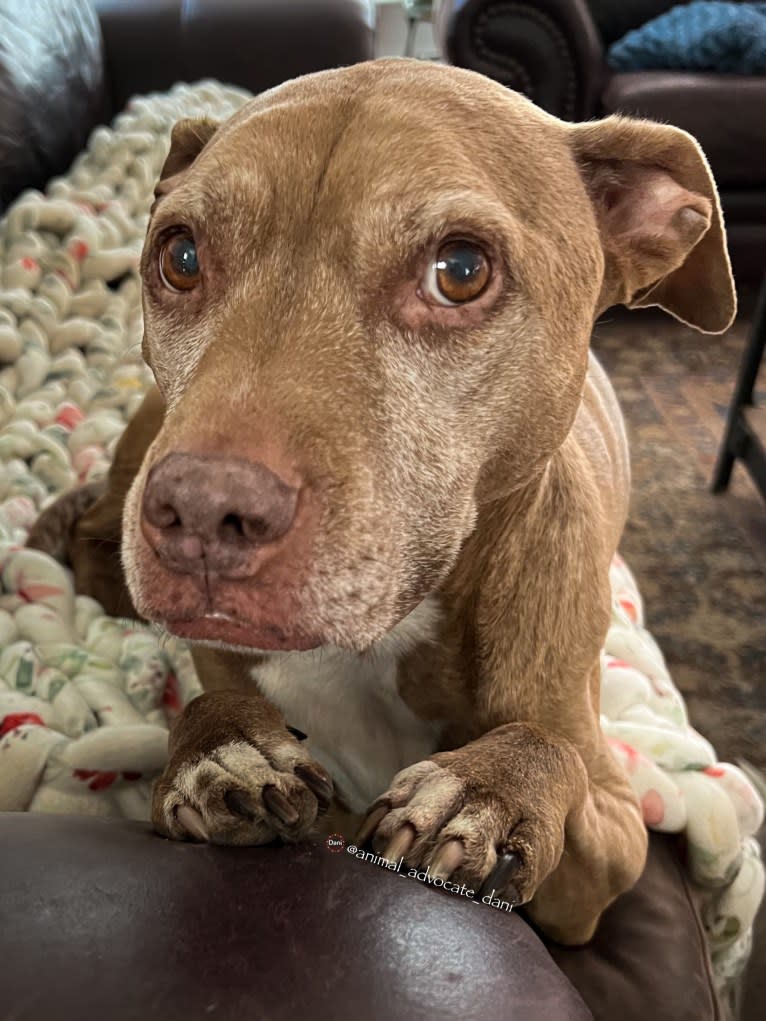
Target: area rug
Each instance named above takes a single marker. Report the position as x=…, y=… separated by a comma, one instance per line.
x=700, y=558
x=85, y=700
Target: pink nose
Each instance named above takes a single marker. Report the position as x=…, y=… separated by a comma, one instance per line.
x=210, y=514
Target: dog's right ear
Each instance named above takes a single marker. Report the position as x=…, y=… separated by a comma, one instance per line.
x=187, y=140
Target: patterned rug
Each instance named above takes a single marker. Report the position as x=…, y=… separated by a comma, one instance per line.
x=699, y=559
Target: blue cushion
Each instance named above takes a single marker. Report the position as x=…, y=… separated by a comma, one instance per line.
x=707, y=35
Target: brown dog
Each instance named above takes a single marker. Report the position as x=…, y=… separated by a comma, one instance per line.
x=381, y=479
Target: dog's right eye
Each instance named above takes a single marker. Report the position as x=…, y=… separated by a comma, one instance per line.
x=179, y=266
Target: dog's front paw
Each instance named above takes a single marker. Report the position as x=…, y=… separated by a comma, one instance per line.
x=486, y=815
x=237, y=775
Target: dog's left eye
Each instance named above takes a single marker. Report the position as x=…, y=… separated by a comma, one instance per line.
x=179, y=267
x=459, y=273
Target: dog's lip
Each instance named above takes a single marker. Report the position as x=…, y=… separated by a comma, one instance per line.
x=223, y=627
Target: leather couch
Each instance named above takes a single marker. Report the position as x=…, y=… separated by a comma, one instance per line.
x=102, y=919
x=68, y=65
x=554, y=52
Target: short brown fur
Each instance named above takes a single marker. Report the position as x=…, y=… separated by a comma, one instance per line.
x=474, y=454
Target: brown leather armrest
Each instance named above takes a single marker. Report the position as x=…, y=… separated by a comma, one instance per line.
x=649, y=959
x=548, y=49
x=101, y=919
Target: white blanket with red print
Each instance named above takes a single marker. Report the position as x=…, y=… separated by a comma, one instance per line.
x=85, y=700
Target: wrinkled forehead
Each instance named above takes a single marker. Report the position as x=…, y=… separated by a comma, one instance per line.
x=317, y=159
x=334, y=144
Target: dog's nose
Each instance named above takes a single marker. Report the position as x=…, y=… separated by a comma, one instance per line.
x=211, y=513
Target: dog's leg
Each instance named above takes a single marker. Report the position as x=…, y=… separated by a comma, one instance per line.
x=237, y=772
x=83, y=528
x=518, y=815
x=539, y=793
x=52, y=531
x=606, y=845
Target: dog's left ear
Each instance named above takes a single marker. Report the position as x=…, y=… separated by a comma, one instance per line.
x=660, y=220
x=187, y=140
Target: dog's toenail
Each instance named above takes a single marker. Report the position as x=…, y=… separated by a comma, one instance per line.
x=240, y=803
x=371, y=823
x=508, y=864
x=448, y=858
x=317, y=782
x=192, y=822
x=401, y=843
x=279, y=806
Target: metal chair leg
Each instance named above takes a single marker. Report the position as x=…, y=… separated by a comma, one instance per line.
x=742, y=397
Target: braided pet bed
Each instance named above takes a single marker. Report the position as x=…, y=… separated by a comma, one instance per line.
x=85, y=700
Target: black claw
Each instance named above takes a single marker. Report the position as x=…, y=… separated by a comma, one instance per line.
x=279, y=806
x=317, y=782
x=499, y=879
x=297, y=733
x=371, y=822
x=240, y=803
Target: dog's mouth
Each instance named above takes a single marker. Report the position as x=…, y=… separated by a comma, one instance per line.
x=224, y=629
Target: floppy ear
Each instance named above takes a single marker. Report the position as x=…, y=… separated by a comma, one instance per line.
x=660, y=220
x=187, y=140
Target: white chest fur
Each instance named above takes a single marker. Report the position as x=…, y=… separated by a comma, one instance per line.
x=359, y=727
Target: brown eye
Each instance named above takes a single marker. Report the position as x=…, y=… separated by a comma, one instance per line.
x=459, y=273
x=179, y=268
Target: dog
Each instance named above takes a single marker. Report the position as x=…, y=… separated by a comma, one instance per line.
x=381, y=478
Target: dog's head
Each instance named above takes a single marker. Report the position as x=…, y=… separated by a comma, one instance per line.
x=368, y=299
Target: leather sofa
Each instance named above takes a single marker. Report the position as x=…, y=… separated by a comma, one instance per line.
x=554, y=52
x=102, y=919
x=68, y=65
